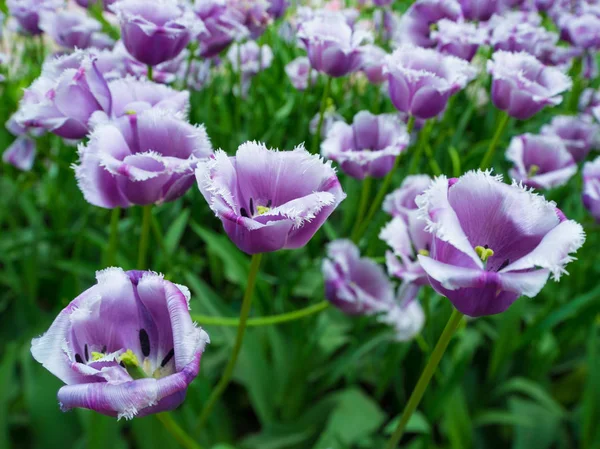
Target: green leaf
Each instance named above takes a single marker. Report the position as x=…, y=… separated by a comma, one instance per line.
x=355, y=416
x=176, y=230
x=591, y=396
x=533, y=391
x=416, y=424
x=8, y=390
x=546, y=430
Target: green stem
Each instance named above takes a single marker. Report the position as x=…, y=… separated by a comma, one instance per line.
x=426, y=375
x=246, y=304
x=144, y=236
x=362, y=208
x=188, y=67
x=376, y=204
x=423, y=139
x=113, y=240
x=150, y=72
x=317, y=136
x=576, y=90
x=263, y=321
x=178, y=433
x=500, y=126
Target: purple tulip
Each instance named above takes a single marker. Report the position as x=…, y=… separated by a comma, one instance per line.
x=513, y=36
x=422, y=80
x=223, y=26
x=406, y=316
x=132, y=95
x=386, y=22
x=70, y=28
x=460, y=39
x=372, y=63
x=156, y=31
x=333, y=48
x=406, y=238
x=368, y=147
x=540, y=161
x=522, y=86
x=382, y=2
x=165, y=72
x=145, y=157
x=579, y=134
x=591, y=187
x=493, y=242
x=269, y=200
x=583, y=31
x=401, y=202
x=355, y=285
x=27, y=12
x=415, y=25
x=254, y=15
x=125, y=347
x=298, y=71
x=63, y=101
x=21, y=153
x=480, y=10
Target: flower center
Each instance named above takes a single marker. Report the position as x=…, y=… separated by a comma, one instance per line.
x=484, y=252
x=260, y=210
x=533, y=170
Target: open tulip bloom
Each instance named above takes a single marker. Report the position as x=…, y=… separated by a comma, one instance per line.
x=493, y=242
x=125, y=347
x=269, y=200
x=142, y=158
x=368, y=147
x=523, y=86
x=540, y=161
x=579, y=134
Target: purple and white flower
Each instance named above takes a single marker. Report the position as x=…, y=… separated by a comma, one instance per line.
x=333, y=48
x=401, y=202
x=522, y=86
x=579, y=134
x=355, y=285
x=269, y=200
x=27, y=12
x=156, y=31
x=125, y=347
x=493, y=242
x=460, y=39
x=145, y=157
x=415, y=25
x=298, y=72
x=540, y=161
x=368, y=147
x=406, y=316
x=70, y=28
x=422, y=80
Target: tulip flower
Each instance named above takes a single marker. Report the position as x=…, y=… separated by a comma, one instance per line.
x=125, y=347
x=493, y=242
x=269, y=200
x=540, y=161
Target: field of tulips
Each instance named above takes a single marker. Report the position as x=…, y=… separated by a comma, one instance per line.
x=281, y=224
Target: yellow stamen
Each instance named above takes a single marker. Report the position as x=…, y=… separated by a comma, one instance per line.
x=484, y=253
x=97, y=356
x=533, y=170
x=262, y=209
x=423, y=252
x=130, y=112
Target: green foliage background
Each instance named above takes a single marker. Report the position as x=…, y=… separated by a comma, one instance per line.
x=526, y=379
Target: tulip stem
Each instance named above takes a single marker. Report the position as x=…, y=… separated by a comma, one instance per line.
x=362, y=207
x=246, y=304
x=500, y=126
x=178, y=433
x=150, y=72
x=263, y=321
x=144, y=236
x=113, y=240
x=426, y=375
x=376, y=204
x=317, y=137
